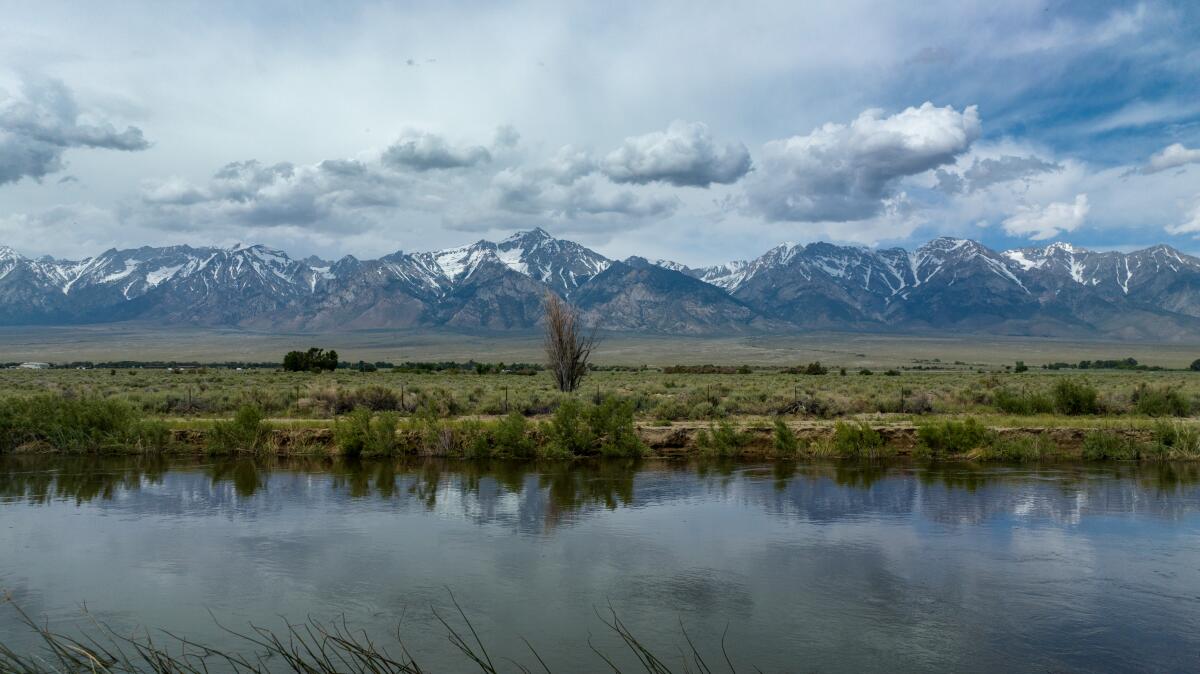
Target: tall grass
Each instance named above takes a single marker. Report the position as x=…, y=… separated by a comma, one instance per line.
x=721, y=439
x=246, y=431
x=312, y=647
x=858, y=441
x=942, y=438
x=77, y=424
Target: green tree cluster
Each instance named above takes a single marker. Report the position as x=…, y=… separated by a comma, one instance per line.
x=313, y=360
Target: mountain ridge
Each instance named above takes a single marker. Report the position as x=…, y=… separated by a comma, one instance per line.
x=946, y=284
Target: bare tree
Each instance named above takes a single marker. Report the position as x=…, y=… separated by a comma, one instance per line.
x=567, y=347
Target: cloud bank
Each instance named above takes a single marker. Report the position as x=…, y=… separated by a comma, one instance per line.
x=42, y=122
x=846, y=172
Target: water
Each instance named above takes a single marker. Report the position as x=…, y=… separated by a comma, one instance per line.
x=838, y=567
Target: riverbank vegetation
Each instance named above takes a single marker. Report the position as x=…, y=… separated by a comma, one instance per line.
x=1037, y=414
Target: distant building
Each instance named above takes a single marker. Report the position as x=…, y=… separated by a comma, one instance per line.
x=35, y=366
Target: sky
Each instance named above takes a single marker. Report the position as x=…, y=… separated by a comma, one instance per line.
x=693, y=131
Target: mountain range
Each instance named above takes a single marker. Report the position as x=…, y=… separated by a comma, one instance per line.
x=947, y=284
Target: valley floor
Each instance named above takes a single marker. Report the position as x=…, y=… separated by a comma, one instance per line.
x=115, y=342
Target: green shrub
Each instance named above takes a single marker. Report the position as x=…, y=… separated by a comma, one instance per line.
x=1107, y=445
x=786, y=442
x=1176, y=440
x=606, y=428
x=567, y=431
x=1073, y=397
x=953, y=437
x=857, y=440
x=1160, y=402
x=611, y=423
x=78, y=424
x=247, y=430
x=510, y=436
x=1023, y=402
x=721, y=439
x=363, y=433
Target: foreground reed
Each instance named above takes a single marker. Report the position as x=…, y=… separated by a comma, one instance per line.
x=311, y=647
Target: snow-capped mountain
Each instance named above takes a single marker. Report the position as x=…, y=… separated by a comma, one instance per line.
x=954, y=284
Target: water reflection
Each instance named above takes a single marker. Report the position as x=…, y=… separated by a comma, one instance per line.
x=947, y=567
x=548, y=494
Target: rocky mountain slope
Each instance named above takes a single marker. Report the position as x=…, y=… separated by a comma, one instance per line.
x=946, y=284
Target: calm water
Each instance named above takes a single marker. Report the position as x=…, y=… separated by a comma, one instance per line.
x=827, y=567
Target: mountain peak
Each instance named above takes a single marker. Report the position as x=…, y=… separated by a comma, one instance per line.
x=528, y=236
x=1062, y=246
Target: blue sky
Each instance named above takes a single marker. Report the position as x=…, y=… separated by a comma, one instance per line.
x=690, y=130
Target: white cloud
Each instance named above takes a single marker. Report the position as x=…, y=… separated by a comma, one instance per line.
x=684, y=155
x=1189, y=226
x=845, y=172
x=1039, y=223
x=1172, y=156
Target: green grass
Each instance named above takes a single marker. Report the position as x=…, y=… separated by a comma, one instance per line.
x=77, y=424
x=951, y=436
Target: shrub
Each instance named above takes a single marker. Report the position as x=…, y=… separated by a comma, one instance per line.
x=374, y=398
x=612, y=424
x=721, y=439
x=247, y=430
x=786, y=442
x=1176, y=440
x=1072, y=397
x=1107, y=445
x=953, y=437
x=363, y=433
x=1160, y=402
x=606, y=428
x=1195, y=366
x=856, y=440
x=567, y=431
x=510, y=436
x=1023, y=402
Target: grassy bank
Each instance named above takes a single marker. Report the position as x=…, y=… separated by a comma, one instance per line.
x=605, y=426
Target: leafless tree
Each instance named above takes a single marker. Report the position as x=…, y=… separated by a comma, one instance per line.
x=567, y=347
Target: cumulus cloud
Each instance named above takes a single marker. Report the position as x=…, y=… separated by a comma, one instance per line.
x=271, y=195
x=534, y=193
x=1171, y=156
x=846, y=172
x=984, y=173
x=423, y=151
x=1048, y=221
x=684, y=155
x=42, y=122
x=357, y=194
x=1189, y=226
